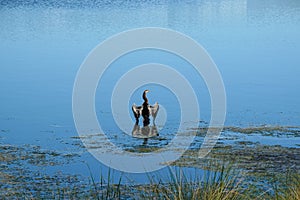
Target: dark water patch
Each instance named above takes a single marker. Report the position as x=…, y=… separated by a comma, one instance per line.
x=248, y=143
x=142, y=149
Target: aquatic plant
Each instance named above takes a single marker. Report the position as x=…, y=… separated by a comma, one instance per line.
x=218, y=185
x=290, y=190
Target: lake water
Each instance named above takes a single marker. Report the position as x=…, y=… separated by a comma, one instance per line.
x=255, y=45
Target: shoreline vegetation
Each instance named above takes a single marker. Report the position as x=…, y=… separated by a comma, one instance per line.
x=236, y=168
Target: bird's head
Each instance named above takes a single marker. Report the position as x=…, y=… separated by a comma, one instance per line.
x=144, y=96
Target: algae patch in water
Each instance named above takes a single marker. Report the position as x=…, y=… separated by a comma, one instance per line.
x=23, y=169
x=262, y=155
x=265, y=130
x=275, y=131
x=20, y=173
x=259, y=162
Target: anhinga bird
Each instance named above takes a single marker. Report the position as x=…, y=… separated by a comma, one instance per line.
x=145, y=110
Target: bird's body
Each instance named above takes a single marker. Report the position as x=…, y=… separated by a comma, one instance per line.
x=145, y=110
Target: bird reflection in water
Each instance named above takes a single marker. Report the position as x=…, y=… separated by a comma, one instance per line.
x=144, y=132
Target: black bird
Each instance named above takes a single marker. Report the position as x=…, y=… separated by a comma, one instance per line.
x=145, y=110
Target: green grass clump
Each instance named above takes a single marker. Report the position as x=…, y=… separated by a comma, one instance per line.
x=290, y=190
x=220, y=185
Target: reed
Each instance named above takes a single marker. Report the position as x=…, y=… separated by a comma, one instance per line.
x=217, y=185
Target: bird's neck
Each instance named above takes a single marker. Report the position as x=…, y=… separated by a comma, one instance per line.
x=145, y=98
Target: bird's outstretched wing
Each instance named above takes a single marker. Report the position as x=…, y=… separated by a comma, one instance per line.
x=137, y=111
x=153, y=110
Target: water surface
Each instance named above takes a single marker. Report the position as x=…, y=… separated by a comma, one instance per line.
x=255, y=45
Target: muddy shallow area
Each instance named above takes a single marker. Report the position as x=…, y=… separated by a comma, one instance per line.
x=29, y=170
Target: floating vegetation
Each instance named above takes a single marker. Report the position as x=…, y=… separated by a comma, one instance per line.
x=254, y=159
x=18, y=177
x=265, y=130
x=236, y=168
x=274, y=131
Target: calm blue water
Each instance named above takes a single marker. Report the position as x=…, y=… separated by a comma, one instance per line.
x=255, y=45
